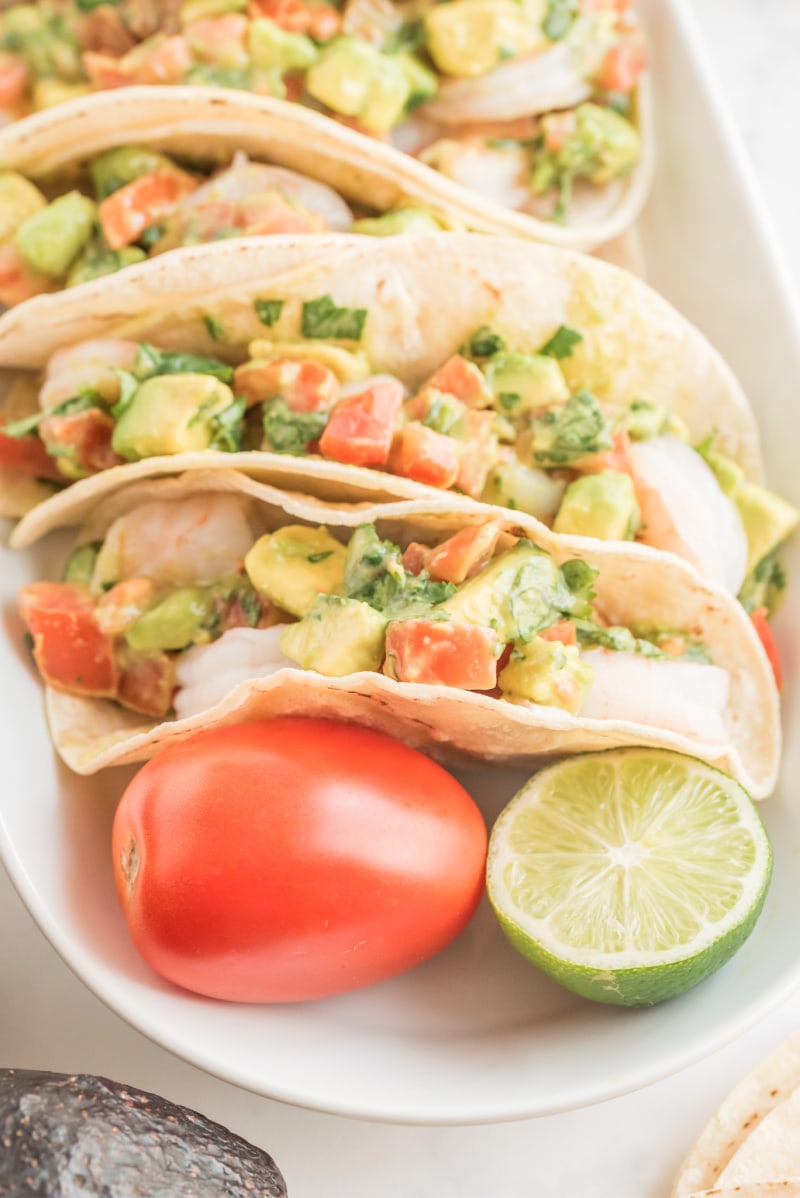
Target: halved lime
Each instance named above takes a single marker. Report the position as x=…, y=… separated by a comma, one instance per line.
x=629, y=875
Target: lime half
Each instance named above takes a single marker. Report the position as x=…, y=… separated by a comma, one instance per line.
x=629, y=875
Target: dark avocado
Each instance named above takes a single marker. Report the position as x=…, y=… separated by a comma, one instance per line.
x=87, y=1137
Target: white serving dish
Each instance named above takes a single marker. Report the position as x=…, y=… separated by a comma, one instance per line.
x=475, y=1035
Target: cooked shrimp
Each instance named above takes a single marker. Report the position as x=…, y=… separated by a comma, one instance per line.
x=178, y=542
x=684, y=697
x=519, y=87
x=685, y=510
x=88, y=364
x=244, y=178
x=207, y=673
x=498, y=174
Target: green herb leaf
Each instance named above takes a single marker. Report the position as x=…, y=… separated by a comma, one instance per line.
x=562, y=343
x=268, y=311
x=227, y=426
x=559, y=18
x=86, y=398
x=324, y=318
x=578, y=429
x=151, y=361
x=484, y=342
x=286, y=431
x=579, y=577
x=128, y=386
x=215, y=329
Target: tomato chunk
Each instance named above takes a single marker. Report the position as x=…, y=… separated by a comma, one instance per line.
x=464, y=380
x=70, y=650
x=761, y=625
x=220, y=39
x=14, y=76
x=27, y=455
x=437, y=652
x=106, y=71
x=278, y=216
x=361, y=427
x=429, y=457
x=463, y=554
x=147, y=682
x=478, y=452
x=126, y=213
x=623, y=65
x=18, y=281
x=83, y=439
x=304, y=386
x=564, y=631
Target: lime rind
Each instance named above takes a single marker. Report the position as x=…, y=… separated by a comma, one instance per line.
x=630, y=875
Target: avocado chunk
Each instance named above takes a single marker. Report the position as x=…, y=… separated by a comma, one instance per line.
x=52, y=238
x=601, y=505
x=404, y=220
x=547, y=672
x=337, y=637
x=90, y=1136
x=292, y=566
x=272, y=47
x=19, y=200
x=171, y=413
x=768, y=520
x=80, y=563
x=174, y=623
x=468, y=38
x=729, y=474
x=518, y=593
x=355, y=79
x=122, y=165
x=523, y=488
x=522, y=382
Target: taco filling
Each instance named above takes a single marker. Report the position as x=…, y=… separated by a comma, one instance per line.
x=504, y=427
x=131, y=203
x=520, y=102
x=182, y=601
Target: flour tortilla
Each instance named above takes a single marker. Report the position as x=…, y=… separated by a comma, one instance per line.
x=358, y=167
x=635, y=586
x=736, y=1144
x=424, y=296
x=789, y=1187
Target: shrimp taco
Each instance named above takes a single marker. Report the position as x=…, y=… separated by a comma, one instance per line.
x=533, y=118
x=212, y=598
x=522, y=376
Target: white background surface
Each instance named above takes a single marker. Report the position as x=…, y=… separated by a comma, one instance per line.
x=629, y=1148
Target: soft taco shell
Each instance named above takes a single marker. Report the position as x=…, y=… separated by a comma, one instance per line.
x=359, y=167
x=425, y=295
x=730, y=1131
x=634, y=586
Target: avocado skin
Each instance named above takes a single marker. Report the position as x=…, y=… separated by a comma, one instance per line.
x=88, y=1137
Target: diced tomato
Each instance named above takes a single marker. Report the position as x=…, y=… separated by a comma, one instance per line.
x=304, y=386
x=623, y=65
x=14, y=76
x=289, y=14
x=220, y=39
x=564, y=632
x=18, y=281
x=103, y=31
x=429, y=457
x=415, y=557
x=120, y=607
x=464, y=380
x=617, y=458
x=82, y=438
x=437, y=652
x=325, y=22
x=262, y=219
x=70, y=650
x=27, y=455
x=463, y=554
x=106, y=71
x=557, y=128
x=160, y=60
x=362, y=426
x=129, y=211
x=761, y=625
x=478, y=452
x=147, y=682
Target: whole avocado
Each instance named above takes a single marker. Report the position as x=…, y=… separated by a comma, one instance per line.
x=85, y=1136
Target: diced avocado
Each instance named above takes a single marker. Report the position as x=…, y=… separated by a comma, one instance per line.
x=516, y=594
x=175, y=622
x=115, y=168
x=524, y=488
x=97, y=266
x=609, y=142
x=271, y=46
x=422, y=81
x=468, y=38
x=601, y=505
x=52, y=238
x=404, y=220
x=768, y=520
x=349, y=366
x=80, y=563
x=729, y=474
x=294, y=565
x=353, y=77
x=644, y=420
x=549, y=673
x=19, y=200
x=523, y=382
x=445, y=414
x=49, y=93
x=44, y=40
x=170, y=413
x=337, y=637
x=197, y=10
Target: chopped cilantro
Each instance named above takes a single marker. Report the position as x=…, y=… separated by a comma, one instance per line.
x=484, y=342
x=562, y=343
x=509, y=400
x=151, y=361
x=374, y=574
x=559, y=17
x=579, y=428
x=227, y=426
x=215, y=329
x=27, y=425
x=286, y=431
x=151, y=235
x=128, y=386
x=251, y=606
x=324, y=318
x=268, y=311
x=314, y=558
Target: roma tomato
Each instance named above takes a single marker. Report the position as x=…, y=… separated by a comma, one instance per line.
x=292, y=859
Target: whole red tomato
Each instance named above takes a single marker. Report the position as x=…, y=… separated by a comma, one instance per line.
x=293, y=858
